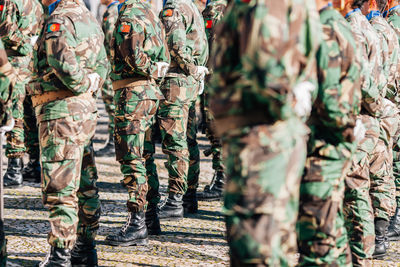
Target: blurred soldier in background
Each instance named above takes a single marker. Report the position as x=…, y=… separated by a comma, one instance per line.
x=382, y=190
x=212, y=14
x=20, y=23
x=322, y=236
x=187, y=43
x=140, y=57
x=109, y=19
x=258, y=93
x=70, y=65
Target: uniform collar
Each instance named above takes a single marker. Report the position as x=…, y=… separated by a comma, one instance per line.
x=53, y=6
x=113, y=3
x=373, y=13
x=352, y=12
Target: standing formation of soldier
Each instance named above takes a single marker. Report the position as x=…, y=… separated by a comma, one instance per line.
x=300, y=96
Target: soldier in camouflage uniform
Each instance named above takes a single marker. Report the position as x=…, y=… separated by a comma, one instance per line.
x=20, y=23
x=109, y=19
x=187, y=43
x=358, y=212
x=322, y=236
x=255, y=92
x=7, y=78
x=70, y=65
x=393, y=18
x=140, y=57
x=382, y=183
x=212, y=14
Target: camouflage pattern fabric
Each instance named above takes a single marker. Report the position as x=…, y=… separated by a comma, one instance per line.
x=322, y=237
x=70, y=48
x=382, y=184
x=212, y=14
x=264, y=141
x=394, y=22
x=109, y=19
x=137, y=45
x=20, y=21
x=187, y=43
x=358, y=211
x=7, y=78
x=194, y=152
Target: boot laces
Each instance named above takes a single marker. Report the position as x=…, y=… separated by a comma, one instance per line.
x=126, y=225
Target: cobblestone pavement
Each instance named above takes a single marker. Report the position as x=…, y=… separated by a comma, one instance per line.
x=196, y=240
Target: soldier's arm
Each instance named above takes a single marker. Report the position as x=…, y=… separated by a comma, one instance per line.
x=60, y=48
x=9, y=29
x=102, y=64
x=133, y=36
x=175, y=29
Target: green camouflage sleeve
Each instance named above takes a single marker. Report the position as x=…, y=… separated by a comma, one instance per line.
x=102, y=64
x=175, y=30
x=108, y=27
x=338, y=71
x=13, y=37
x=60, y=47
x=7, y=77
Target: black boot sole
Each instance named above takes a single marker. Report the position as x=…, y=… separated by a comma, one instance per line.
x=171, y=218
x=138, y=242
x=153, y=232
x=211, y=199
x=394, y=238
x=12, y=186
x=84, y=265
x=379, y=256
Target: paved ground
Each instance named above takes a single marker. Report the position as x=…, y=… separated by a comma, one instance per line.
x=198, y=240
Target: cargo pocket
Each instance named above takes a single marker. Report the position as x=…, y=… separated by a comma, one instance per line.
x=125, y=133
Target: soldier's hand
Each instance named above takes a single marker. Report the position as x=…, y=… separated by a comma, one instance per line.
x=302, y=93
x=162, y=68
x=359, y=131
x=201, y=73
x=95, y=80
x=201, y=90
x=7, y=123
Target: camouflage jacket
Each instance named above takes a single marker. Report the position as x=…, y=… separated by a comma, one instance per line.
x=337, y=101
x=254, y=77
x=212, y=14
x=7, y=76
x=70, y=47
x=20, y=23
x=391, y=63
x=186, y=37
x=109, y=19
x=394, y=22
x=137, y=45
x=368, y=42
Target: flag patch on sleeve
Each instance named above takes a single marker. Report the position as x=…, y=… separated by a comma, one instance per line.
x=54, y=27
x=124, y=28
x=1, y=7
x=168, y=13
x=209, y=24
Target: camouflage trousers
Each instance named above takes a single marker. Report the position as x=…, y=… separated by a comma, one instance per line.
x=358, y=212
x=153, y=194
x=382, y=190
x=107, y=94
x=132, y=119
x=193, y=147
x=31, y=129
x=263, y=166
x=396, y=164
x=322, y=236
x=69, y=177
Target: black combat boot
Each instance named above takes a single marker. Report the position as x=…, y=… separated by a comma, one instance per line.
x=394, y=227
x=214, y=191
x=3, y=246
x=84, y=253
x=108, y=150
x=380, y=231
x=190, y=204
x=13, y=176
x=58, y=257
x=133, y=233
x=152, y=220
x=31, y=173
x=172, y=208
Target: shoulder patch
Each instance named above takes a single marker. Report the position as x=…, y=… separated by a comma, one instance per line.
x=105, y=18
x=168, y=12
x=54, y=27
x=209, y=24
x=124, y=28
x=1, y=7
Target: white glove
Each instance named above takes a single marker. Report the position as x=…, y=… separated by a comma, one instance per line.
x=8, y=127
x=94, y=79
x=162, y=68
x=359, y=131
x=201, y=89
x=201, y=73
x=302, y=93
x=34, y=39
x=388, y=107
